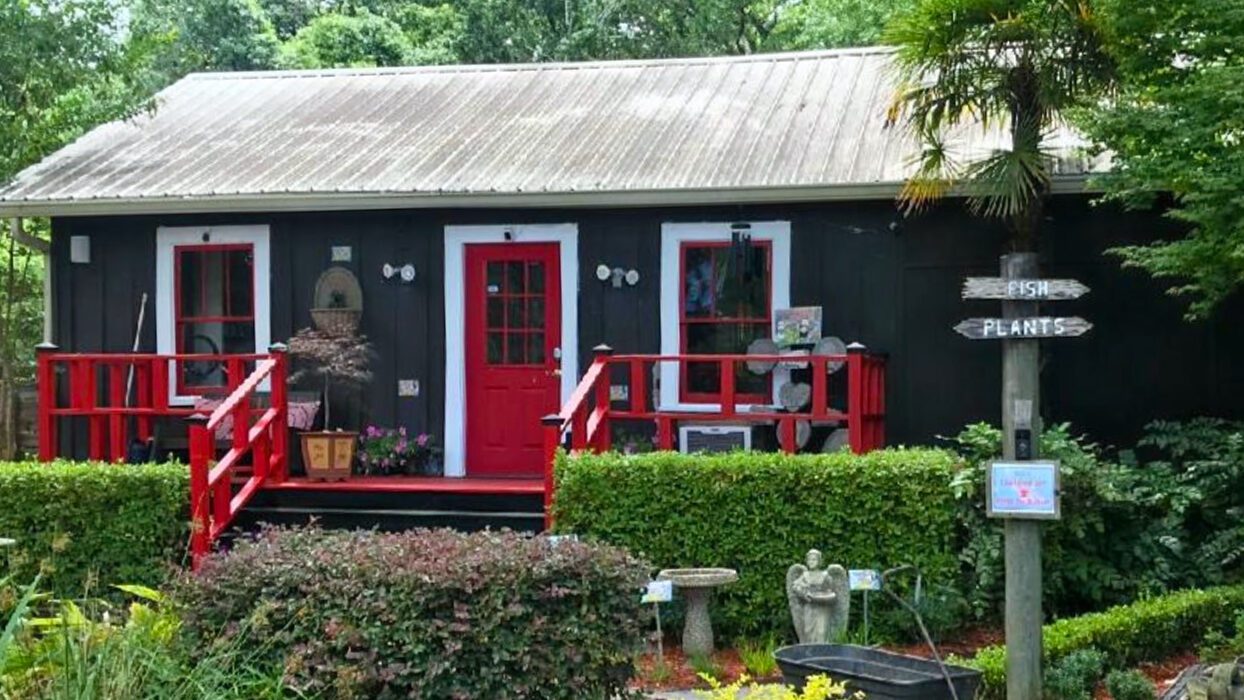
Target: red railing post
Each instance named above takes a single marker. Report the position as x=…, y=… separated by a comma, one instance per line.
x=856, y=408
x=604, y=404
x=280, y=401
x=638, y=388
x=820, y=388
x=665, y=433
x=45, y=373
x=142, y=397
x=552, y=440
x=726, y=385
x=116, y=421
x=201, y=452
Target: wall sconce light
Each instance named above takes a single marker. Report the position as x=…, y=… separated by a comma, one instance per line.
x=405, y=273
x=604, y=273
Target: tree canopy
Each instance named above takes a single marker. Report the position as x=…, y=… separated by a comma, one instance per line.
x=1015, y=65
x=1176, y=127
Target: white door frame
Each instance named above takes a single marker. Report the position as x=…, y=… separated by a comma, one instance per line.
x=456, y=240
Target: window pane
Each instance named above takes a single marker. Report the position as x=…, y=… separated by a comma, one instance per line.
x=496, y=312
x=496, y=344
x=213, y=338
x=535, y=348
x=515, y=277
x=698, y=281
x=719, y=339
x=240, y=282
x=535, y=313
x=189, y=280
x=516, y=316
x=514, y=346
x=535, y=277
x=496, y=277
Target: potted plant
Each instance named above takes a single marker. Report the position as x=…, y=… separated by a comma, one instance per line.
x=336, y=358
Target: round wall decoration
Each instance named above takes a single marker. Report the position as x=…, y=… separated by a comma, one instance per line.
x=831, y=345
x=338, y=303
x=761, y=346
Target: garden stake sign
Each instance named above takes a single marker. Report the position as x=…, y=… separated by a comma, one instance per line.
x=864, y=580
x=1020, y=490
x=659, y=592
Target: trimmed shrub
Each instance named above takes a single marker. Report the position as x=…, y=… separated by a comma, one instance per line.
x=426, y=613
x=1130, y=685
x=1149, y=630
x=760, y=512
x=1075, y=675
x=89, y=525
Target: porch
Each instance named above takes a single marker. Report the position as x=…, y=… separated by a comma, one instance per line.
x=240, y=454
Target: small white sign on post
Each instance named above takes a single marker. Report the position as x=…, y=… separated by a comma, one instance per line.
x=1028, y=490
x=864, y=579
x=659, y=592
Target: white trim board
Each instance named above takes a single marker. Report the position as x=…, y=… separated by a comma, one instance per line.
x=456, y=240
x=167, y=238
x=672, y=238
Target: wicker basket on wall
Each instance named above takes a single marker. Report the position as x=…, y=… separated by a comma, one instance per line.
x=338, y=304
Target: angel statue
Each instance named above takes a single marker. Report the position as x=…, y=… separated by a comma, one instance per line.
x=820, y=600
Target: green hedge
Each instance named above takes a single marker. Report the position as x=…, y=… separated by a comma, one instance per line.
x=760, y=513
x=87, y=526
x=1148, y=630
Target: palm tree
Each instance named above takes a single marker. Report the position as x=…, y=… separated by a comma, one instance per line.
x=1017, y=65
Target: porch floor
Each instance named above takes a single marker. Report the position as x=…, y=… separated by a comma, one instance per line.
x=414, y=484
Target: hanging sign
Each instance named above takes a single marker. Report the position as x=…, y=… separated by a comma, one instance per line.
x=1023, y=490
x=1022, y=289
x=1029, y=327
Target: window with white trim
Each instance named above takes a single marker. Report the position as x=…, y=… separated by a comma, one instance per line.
x=212, y=298
x=720, y=282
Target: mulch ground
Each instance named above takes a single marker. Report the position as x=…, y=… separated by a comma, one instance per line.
x=676, y=673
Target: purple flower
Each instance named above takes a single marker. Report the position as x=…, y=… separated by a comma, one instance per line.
x=422, y=440
x=402, y=431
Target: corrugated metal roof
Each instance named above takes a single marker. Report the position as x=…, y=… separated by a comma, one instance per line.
x=763, y=127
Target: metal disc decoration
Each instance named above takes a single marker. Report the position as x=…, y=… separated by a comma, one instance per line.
x=761, y=346
x=836, y=441
x=793, y=363
x=803, y=433
x=794, y=395
x=831, y=345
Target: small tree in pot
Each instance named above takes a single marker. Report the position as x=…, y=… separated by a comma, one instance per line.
x=336, y=358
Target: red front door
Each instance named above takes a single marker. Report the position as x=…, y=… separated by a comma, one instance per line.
x=513, y=330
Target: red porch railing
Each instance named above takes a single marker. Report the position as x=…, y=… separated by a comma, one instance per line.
x=213, y=504
x=120, y=396
x=589, y=413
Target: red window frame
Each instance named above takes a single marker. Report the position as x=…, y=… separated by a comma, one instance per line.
x=180, y=319
x=684, y=394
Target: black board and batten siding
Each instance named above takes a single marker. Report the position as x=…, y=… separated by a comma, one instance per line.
x=890, y=282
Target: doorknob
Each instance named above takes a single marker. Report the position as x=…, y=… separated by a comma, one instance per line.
x=557, y=353
x=555, y=373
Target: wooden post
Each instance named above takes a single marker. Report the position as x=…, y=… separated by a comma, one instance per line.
x=46, y=377
x=200, y=457
x=552, y=440
x=604, y=436
x=1020, y=412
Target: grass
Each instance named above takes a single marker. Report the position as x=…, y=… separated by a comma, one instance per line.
x=757, y=656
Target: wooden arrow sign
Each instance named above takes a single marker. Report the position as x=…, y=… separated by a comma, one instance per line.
x=1022, y=289
x=1021, y=328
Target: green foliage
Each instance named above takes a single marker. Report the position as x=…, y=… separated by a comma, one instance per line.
x=1017, y=65
x=207, y=35
x=97, y=651
x=1148, y=630
x=79, y=524
x=705, y=665
x=1175, y=127
x=425, y=613
x=1223, y=645
x=1075, y=676
x=759, y=513
x=1127, y=530
x=757, y=656
x=343, y=41
x=1130, y=685
x=827, y=24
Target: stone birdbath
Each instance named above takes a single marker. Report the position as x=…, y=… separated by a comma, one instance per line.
x=696, y=585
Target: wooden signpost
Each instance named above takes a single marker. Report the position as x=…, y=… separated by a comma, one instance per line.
x=1020, y=328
